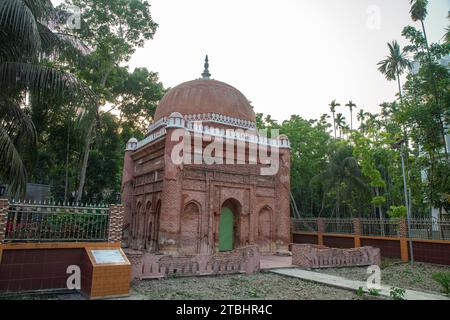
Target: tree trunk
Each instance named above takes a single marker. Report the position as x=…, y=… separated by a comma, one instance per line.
x=66, y=182
x=87, y=143
x=334, y=126
x=87, y=148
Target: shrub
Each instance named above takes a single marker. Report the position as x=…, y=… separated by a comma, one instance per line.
x=397, y=293
x=360, y=292
x=443, y=278
x=374, y=292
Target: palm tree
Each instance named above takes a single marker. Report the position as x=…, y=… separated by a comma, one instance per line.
x=333, y=106
x=394, y=65
x=385, y=110
x=361, y=116
x=351, y=105
x=27, y=49
x=340, y=123
x=419, y=12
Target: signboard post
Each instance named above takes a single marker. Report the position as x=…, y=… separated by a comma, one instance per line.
x=107, y=273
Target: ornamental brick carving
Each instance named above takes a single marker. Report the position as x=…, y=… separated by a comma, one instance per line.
x=147, y=265
x=315, y=256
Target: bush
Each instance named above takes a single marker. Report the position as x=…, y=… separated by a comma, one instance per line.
x=360, y=292
x=443, y=278
x=397, y=212
x=374, y=292
x=397, y=293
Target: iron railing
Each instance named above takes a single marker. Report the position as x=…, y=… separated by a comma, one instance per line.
x=30, y=222
x=421, y=228
x=380, y=227
x=304, y=225
x=430, y=229
x=344, y=226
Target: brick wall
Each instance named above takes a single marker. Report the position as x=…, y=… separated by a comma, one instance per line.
x=116, y=218
x=148, y=265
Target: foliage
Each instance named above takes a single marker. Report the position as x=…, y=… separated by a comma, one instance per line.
x=374, y=292
x=397, y=212
x=443, y=278
x=360, y=292
x=28, y=52
x=397, y=293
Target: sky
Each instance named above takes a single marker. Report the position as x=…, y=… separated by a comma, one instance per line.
x=286, y=56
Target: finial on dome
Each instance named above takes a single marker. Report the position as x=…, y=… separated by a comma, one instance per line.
x=206, y=73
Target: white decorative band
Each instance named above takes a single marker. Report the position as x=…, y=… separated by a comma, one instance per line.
x=208, y=117
x=228, y=134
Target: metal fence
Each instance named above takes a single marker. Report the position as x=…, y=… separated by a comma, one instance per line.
x=345, y=226
x=304, y=225
x=380, y=228
x=421, y=228
x=430, y=229
x=30, y=222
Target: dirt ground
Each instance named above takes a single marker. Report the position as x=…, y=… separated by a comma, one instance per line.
x=397, y=273
x=259, y=286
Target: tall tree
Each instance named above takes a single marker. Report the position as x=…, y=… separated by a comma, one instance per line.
x=419, y=12
x=340, y=123
x=394, y=65
x=113, y=30
x=333, y=106
x=351, y=105
x=28, y=50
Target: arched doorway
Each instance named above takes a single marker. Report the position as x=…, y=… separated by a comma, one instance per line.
x=229, y=225
x=226, y=234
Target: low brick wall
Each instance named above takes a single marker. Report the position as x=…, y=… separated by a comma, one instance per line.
x=35, y=266
x=147, y=265
x=316, y=256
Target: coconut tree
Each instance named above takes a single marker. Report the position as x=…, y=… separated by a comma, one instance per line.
x=419, y=12
x=395, y=65
x=333, y=106
x=28, y=49
x=385, y=110
x=361, y=116
x=340, y=123
x=351, y=105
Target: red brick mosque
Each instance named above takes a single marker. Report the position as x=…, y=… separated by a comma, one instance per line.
x=196, y=207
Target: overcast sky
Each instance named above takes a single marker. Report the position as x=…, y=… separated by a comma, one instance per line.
x=286, y=56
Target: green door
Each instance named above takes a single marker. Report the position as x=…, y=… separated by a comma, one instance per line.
x=226, y=230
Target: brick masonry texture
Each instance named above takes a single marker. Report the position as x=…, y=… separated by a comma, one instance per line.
x=175, y=209
x=315, y=256
x=148, y=265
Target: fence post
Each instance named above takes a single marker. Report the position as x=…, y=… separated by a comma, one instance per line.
x=320, y=231
x=403, y=239
x=357, y=232
x=115, y=222
x=4, y=204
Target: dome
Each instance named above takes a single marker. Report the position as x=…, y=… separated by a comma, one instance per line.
x=205, y=96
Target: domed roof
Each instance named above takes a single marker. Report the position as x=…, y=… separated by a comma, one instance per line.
x=205, y=96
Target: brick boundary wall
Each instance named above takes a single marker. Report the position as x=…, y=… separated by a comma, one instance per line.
x=149, y=266
x=431, y=251
x=317, y=256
